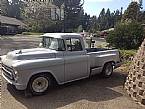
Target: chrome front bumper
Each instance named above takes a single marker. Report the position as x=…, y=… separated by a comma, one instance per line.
x=8, y=76
x=17, y=85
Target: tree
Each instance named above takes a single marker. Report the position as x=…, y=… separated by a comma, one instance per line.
x=58, y=2
x=85, y=21
x=108, y=19
x=93, y=25
x=4, y=4
x=132, y=12
x=37, y=17
x=73, y=11
x=15, y=9
x=102, y=20
x=126, y=36
x=140, y=3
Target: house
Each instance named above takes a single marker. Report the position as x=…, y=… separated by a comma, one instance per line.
x=10, y=25
x=52, y=11
x=105, y=33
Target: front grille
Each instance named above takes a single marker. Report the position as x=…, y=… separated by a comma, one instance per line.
x=8, y=72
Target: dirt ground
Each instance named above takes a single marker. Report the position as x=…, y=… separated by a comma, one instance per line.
x=91, y=93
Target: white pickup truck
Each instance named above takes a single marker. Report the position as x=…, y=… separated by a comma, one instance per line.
x=62, y=58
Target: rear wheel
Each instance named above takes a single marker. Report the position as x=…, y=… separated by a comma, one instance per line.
x=107, y=70
x=39, y=84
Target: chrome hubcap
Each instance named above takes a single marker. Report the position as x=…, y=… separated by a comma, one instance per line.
x=40, y=84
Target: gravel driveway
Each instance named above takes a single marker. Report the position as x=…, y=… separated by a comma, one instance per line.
x=91, y=93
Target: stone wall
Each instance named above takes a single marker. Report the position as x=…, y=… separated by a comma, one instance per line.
x=135, y=82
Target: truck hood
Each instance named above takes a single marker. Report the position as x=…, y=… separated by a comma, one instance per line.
x=31, y=54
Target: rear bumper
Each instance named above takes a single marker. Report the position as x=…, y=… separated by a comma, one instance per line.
x=17, y=85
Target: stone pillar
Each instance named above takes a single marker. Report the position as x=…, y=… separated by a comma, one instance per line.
x=135, y=82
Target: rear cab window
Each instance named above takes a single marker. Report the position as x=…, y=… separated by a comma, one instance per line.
x=73, y=44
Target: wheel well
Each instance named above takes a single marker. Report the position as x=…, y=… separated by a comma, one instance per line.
x=46, y=73
x=112, y=62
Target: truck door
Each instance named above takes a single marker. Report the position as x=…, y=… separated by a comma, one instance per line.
x=76, y=60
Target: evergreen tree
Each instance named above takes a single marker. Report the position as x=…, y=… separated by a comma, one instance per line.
x=102, y=20
x=132, y=12
x=4, y=4
x=86, y=22
x=140, y=3
x=117, y=17
x=108, y=19
x=15, y=8
x=94, y=25
x=73, y=11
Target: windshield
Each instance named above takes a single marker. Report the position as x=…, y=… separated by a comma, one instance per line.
x=53, y=43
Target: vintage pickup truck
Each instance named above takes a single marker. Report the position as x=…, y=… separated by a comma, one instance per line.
x=62, y=58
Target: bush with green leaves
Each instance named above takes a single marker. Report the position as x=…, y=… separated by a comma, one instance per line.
x=126, y=36
x=127, y=55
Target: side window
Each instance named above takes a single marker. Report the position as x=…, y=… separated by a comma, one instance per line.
x=61, y=45
x=68, y=44
x=74, y=44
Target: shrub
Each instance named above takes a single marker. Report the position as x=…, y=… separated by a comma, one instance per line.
x=126, y=36
x=127, y=55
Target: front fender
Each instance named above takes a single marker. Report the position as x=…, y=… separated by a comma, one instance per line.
x=44, y=71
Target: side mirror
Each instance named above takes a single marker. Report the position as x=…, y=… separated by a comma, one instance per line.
x=40, y=45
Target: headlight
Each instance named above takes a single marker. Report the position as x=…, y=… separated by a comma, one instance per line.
x=15, y=74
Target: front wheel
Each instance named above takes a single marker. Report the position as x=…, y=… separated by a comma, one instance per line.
x=39, y=84
x=107, y=70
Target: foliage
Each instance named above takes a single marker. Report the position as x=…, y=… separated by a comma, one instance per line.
x=132, y=12
x=127, y=55
x=15, y=8
x=105, y=20
x=4, y=4
x=126, y=36
x=44, y=26
x=58, y=2
x=141, y=3
x=93, y=24
x=73, y=12
x=141, y=17
x=85, y=21
x=37, y=17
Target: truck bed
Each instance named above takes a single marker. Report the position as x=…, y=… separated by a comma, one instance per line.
x=96, y=49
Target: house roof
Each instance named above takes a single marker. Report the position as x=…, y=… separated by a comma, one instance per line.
x=11, y=21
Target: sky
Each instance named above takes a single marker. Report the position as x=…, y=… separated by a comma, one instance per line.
x=93, y=7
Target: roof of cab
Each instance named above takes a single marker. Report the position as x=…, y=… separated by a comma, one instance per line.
x=62, y=35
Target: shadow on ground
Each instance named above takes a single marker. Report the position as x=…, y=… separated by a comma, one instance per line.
x=93, y=89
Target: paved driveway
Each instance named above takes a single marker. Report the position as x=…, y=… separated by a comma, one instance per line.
x=91, y=93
